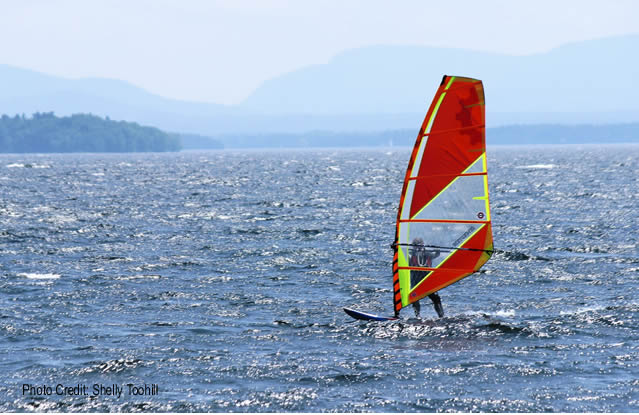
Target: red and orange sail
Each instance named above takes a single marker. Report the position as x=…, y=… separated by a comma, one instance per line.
x=443, y=225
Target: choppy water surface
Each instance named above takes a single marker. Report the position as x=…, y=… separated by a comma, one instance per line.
x=221, y=277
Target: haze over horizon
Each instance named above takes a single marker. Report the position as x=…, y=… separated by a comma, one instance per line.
x=222, y=51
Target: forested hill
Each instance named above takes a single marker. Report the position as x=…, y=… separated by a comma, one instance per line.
x=46, y=133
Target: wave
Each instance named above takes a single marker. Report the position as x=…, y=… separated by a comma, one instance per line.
x=35, y=276
x=537, y=166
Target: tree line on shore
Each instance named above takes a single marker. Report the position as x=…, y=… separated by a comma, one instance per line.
x=46, y=133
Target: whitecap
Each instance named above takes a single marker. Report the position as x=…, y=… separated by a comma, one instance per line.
x=583, y=310
x=28, y=165
x=34, y=276
x=140, y=277
x=538, y=166
x=505, y=313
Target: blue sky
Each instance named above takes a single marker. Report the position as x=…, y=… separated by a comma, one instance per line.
x=220, y=51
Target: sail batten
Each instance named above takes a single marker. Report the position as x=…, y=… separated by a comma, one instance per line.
x=431, y=133
x=483, y=173
x=441, y=221
x=443, y=231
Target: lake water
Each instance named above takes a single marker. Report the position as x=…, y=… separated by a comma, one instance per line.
x=218, y=280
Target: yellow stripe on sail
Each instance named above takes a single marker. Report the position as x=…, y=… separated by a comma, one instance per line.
x=486, y=188
x=452, y=79
x=404, y=277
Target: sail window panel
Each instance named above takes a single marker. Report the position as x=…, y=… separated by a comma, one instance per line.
x=442, y=236
x=416, y=277
x=463, y=199
x=418, y=157
x=408, y=200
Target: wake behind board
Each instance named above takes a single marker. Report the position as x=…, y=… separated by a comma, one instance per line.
x=358, y=315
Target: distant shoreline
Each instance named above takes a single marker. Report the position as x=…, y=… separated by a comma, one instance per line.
x=85, y=133
x=402, y=148
x=528, y=134
x=311, y=149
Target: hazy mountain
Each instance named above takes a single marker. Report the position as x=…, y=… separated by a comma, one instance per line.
x=586, y=77
x=368, y=89
x=29, y=91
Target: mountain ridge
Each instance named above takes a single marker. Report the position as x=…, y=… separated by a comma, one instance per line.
x=365, y=89
x=529, y=82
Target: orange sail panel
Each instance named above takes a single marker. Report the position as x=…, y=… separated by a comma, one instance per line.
x=443, y=229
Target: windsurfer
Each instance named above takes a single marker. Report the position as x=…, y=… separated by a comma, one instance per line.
x=422, y=257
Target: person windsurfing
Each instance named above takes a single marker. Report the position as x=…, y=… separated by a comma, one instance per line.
x=422, y=257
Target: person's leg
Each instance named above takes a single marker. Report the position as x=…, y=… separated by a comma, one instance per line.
x=417, y=308
x=437, y=303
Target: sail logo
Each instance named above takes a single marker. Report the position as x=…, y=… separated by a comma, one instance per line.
x=464, y=235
